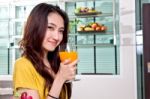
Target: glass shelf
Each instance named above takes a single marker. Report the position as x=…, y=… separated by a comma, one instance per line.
x=88, y=16
x=96, y=45
x=100, y=33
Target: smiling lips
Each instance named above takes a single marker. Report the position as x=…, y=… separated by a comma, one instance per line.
x=52, y=43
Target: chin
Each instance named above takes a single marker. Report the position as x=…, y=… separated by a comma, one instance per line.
x=51, y=49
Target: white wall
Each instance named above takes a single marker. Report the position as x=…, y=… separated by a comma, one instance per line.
x=123, y=86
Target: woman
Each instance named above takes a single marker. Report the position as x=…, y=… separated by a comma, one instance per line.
x=39, y=71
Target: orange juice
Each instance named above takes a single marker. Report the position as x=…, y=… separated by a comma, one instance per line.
x=68, y=55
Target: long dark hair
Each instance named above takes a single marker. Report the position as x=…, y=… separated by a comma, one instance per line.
x=31, y=43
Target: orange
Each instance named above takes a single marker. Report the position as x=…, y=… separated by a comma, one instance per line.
x=68, y=55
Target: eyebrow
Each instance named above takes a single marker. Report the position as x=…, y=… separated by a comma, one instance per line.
x=55, y=25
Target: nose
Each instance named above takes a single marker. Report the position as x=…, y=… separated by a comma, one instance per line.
x=56, y=35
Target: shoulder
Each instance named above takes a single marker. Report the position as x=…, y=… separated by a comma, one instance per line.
x=22, y=60
x=23, y=63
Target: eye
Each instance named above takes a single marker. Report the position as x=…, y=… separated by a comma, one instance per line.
x=61, y=31
x=50, y=28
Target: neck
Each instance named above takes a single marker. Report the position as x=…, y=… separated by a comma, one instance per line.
x=45, y=60
x=48, y=65
x=45, y=55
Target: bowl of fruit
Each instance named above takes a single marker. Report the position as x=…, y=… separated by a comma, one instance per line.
x=85, y=11
x=92, y=27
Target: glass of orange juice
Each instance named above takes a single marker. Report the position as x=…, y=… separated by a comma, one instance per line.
x=68, y=51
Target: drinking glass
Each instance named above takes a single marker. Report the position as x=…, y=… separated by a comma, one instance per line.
x=68, y=51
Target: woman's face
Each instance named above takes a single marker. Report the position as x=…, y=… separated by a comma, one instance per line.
x=54, y=32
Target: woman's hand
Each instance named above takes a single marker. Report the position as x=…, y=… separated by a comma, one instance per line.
x=67, y=70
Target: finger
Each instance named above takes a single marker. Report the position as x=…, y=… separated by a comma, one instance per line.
x=67, y=61
x=73, y=77
x=73, y=71
x=74, y=62
x=74, y=68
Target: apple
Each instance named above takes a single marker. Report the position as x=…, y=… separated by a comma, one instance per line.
x=103, y=28
x=98, y=28
x=82, y=9
x=94, y=25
